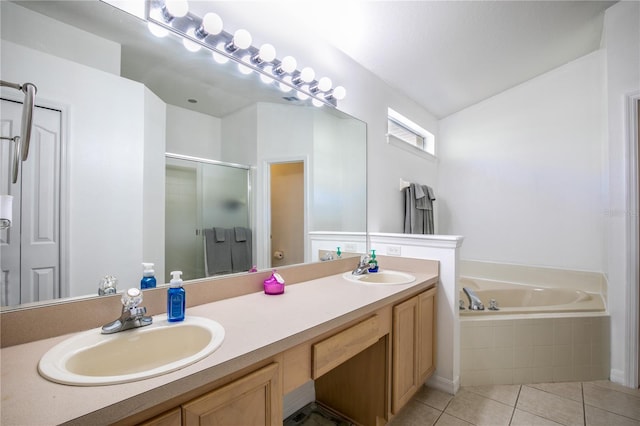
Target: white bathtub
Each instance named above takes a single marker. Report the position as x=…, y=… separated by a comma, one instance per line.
x=540, y=334
x=514, y=298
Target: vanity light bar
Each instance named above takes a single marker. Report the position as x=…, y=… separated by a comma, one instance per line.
x=195, y=32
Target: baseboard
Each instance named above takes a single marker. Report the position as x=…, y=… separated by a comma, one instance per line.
x=445, y=385
x=618, y=376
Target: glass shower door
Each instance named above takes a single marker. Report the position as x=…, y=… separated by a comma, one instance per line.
x=202, y=195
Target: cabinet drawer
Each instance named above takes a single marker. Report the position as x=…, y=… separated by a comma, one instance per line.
x=340, y=347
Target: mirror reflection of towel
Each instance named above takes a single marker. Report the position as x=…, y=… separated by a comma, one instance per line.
x=241, y=250
x=218, y=253
x=241, y=234
x=219, y=232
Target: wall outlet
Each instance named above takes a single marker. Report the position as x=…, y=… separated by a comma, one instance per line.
x=394, y=251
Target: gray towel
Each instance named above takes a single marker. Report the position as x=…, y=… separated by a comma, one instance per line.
x=241, y=234
x=422, y=202
x=219, y=234
x=431, y=194
x=218, y=256
x=241, y=250
x=418, y=213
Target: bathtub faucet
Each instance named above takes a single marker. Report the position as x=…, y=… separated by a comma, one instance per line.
x=475, y=304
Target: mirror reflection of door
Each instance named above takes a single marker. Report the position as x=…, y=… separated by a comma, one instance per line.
x=287, y=213
x=30, y=248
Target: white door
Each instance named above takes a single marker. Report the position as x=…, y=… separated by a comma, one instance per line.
x=30, y=248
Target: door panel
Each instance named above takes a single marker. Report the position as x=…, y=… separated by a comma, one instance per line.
x=31, y=247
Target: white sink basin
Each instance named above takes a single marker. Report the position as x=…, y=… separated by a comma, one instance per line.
x=382, y=277
x=91, y=358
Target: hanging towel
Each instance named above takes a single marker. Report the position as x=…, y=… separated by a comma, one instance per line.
x=217, y=253
x=241, y=234
x=219, y=232
x=241, y=249
x=418, y=209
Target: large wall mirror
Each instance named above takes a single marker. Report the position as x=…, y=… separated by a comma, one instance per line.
x=123, y=120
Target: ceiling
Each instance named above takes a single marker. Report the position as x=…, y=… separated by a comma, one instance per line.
x=445, y=55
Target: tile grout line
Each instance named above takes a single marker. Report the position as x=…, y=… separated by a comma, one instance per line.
x=513, y=413
x=584, y=405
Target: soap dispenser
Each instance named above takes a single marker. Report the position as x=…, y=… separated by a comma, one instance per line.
x=373, y=263
x=175, y=298
x=148, y=280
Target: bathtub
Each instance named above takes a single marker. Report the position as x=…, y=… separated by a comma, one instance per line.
x=514, y=298
x=539, y=334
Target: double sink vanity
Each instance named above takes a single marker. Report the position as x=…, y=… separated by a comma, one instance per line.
x=366, y=342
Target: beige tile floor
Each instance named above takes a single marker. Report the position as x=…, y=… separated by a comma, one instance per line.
x=599, y=403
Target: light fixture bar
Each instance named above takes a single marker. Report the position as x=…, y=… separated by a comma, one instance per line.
x=189, y=26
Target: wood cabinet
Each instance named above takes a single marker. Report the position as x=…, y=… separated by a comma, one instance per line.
x=413, y=347
x=367, y=369
x=170, y=418
x=255, y=399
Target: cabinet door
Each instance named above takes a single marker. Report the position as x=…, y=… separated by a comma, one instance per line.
x=426, y=334
x=253, y=400
x=405, y=348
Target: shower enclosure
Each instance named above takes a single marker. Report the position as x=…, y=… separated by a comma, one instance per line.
x=202, y=195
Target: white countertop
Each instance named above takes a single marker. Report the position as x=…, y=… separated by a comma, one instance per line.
x=257, y=326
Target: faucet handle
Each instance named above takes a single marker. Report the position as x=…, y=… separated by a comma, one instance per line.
x=131, y=298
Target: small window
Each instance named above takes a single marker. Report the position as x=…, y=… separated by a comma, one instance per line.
x=400, y=128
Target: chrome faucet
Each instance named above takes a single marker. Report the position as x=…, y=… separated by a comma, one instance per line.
x=475, y=304
x=363, y=266
x=132, y=316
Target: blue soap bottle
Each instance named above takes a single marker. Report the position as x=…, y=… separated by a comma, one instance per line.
x=175, y=298
x=148, y=280
x=373, y=263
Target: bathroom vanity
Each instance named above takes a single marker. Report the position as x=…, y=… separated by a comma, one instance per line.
x=368, y=348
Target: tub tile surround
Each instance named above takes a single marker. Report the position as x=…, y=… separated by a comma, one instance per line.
x=534, y=347
x=320, y=303
x=593, y=403
x=518, y=351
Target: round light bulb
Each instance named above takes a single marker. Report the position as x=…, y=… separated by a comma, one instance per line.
x=242, y=39
x=307, y=75
x=221, y=59
x=339, y=93
x=267, y=52
x=177, y=8
x=212, y=23
x=157, y=30
x=316, y=102
x=288, y=64
x=324, y=84
x=243, y=68
x=190, y=45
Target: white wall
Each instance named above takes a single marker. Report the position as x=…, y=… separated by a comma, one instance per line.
x=192, y=133
x=521, y=173
x=154, y=184
x=338, y=202
x=622, y=45
x=105, y=147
